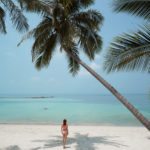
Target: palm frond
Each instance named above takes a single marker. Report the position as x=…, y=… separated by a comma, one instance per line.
x=20, y=3
x=129, y=52
x=86, y=3
x=40, y=32
x=67, y=5
x=44, y=26
x=89, y=41
x=92, y=18
x=17, y=17
x=27, y=36
x=41, y=35
x=73, y=65
x=136, y=7
x=38, y=6
x=2, y=22
x=66, y=32
x=45, y=52
x=73, y=6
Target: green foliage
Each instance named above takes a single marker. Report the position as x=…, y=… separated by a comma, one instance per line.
x=38, y=6
x=73, y=65
x=45, y=51
x=71, y=30
x=130, y=52
x=16, y=16
x=136, y=7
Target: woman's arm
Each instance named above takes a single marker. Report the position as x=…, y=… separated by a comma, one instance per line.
x=67, y=130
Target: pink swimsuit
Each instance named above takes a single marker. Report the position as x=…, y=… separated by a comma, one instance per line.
x=64, y=132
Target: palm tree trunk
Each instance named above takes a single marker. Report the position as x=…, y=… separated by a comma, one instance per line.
x=122, y=99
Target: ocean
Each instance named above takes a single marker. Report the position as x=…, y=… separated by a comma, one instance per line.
x=77, y=109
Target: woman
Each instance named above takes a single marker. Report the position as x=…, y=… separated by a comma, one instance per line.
x=64, y=131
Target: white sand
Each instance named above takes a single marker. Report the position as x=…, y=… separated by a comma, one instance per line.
x=46, y=137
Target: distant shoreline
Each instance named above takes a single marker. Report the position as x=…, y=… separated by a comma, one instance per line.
x=34, y=97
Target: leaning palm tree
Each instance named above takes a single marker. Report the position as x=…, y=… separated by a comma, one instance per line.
x=71, y=30
x=16, y=16
x=131, y=51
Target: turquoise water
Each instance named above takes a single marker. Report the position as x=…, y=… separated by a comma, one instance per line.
x=92, y=109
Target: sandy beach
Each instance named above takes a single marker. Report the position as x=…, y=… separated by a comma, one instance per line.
x=81, y=137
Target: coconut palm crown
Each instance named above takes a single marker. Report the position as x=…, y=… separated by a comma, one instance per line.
x=71, y=30
x=16, y=16
x=130, y=51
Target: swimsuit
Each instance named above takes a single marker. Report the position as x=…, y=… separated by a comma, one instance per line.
x=64, y=131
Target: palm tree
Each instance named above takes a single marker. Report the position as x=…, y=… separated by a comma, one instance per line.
x=131, y=51
x=71, y=30
x=16, y=16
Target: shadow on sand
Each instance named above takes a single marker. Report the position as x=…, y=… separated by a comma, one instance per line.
x=12, y=147
x=15, y=147
x=82, y=142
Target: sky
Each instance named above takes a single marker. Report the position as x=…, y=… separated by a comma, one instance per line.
x=18, y=75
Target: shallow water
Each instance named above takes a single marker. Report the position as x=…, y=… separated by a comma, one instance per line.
x=88, y=109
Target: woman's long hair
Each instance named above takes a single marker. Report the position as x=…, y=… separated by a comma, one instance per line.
x=64, y=122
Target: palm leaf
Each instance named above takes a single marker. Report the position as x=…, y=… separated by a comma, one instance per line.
x=41, y=31
x=2, y=22
x=45, y=52
x=44, y=26
x=17, y=18
x=73, y=6
x=27, y=36
x=136, y=7
x=87, y=25
x=21, y=3
x=86, y=3
x=39, y=6
x=89, y=41
x=92, y=18
x=130, y=52
x=41, y=35
x=73, y=65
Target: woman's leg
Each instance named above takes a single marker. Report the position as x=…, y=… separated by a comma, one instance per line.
x=63, y=141
x=65, y=138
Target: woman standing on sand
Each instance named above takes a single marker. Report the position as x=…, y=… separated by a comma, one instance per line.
x=64, y=131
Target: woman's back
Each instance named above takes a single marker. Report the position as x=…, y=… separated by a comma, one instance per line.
x=64, y=127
